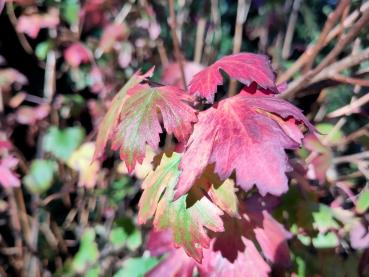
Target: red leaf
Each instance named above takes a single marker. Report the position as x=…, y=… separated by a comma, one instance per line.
x=244, y=67
x=77, y=54
x=177, y=264
x=7, y=177
x=31, y=24
x=159, y=242
x=172, y=74
x=30, y=115
x=111, y=118
x=248, y=263
x=140, y=120
x=2, y=3
x=112, y=33
x=242, y=133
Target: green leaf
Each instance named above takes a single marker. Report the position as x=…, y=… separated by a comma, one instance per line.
x=328, y=240
x=187, y=217
x=136, y=267
x=42, y=49
x=62, y=143
x=323, y=218
x=70, y=11
x=41, y=175
x=362, y=203
x=126, y=233
x=88, y=252
x=327, y=128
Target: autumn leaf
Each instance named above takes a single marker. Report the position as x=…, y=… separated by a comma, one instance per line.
x=244, y=134
x=77, y=54
x=33, y=23
x=244, y=67
x=8, y=178
x=111, y=119
x=186, y=222
x=81, y=161
x=140, y=124
x=112, y=33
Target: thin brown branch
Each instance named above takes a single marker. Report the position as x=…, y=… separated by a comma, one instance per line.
x=286, y=50
x=199, y=39
x=314, y=49
x=350, y=108
x=14, y=21
x=350, y=80
x=243, y=7
x=176, y=45
x=298, y=84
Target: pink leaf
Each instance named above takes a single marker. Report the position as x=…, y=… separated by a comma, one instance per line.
x=77, y=54
x=244, y=67
x=112, y=33
x=242, y=133
x=172, y=74
x=7, y=177
x=31, y=24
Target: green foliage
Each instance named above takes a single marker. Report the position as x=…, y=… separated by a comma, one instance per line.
x=41, y=176
x=62, y=142
x=136, y=267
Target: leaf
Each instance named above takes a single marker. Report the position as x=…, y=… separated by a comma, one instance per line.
x=323, y=218
x=362, y=203
x=70, y=11
x=87, y=253
x=140, y=121
x=172, y=73
x=81, y=161
x=136, y=267
x=359, y=235
x=249, y=263
x=111, y=34
x=40, y=176
x=241, y=133
x=327, y=240
x=177, y=263
x=244, y=67
x=111, y=118
x=125, y=233
x=77, y=54
x=187, y=223
x=31, y=24
x=62, y=143
x=8, y=178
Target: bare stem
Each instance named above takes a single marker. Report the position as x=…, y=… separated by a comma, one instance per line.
x=177, y=50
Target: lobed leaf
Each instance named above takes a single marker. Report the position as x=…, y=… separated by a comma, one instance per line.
x=140, y=122
x=186, y=217
x=111, y=119
x=244, y=134
x=244, y=67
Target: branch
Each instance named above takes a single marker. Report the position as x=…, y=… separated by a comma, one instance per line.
x=296, y=85
x=177, y=50
x=350, y=108
x=314, y=49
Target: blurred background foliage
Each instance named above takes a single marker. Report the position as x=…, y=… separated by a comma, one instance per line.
x=62, y=61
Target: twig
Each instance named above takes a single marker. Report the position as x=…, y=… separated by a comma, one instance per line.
x=199, y=39
x=350, y=80
x=243, y=7
x=14, y=21
x=286, y=50
x=162, y=53
x=177, y=50
x=314, y=49
x=347, y=62
x=351, y=158
x=296, y=85
x=350, y=108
